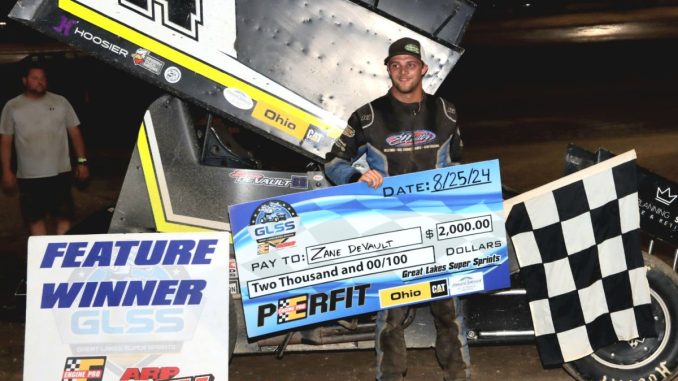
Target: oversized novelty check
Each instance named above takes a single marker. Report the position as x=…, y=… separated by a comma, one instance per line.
x=322, y=255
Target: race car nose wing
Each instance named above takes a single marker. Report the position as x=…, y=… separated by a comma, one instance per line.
x=290, y=70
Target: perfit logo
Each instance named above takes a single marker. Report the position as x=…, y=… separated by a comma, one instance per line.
x=303, y=306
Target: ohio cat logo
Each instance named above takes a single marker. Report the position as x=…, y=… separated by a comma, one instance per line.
x=182, y=16
x=272, y=224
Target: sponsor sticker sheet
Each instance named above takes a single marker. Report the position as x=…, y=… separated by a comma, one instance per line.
x=330, y=253
x=127, y=307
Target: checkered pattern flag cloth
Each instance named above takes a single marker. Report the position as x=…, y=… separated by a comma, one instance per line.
x=578, y=246
x=72, y=363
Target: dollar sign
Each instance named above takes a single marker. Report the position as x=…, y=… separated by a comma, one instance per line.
x=429, y=233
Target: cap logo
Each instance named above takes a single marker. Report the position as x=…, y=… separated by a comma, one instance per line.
x=412, y=48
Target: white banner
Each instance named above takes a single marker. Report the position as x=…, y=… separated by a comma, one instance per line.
x=127, y=307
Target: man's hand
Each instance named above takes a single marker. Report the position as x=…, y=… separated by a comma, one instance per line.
x=8, y=181
x=373, y=178
x=81, y=172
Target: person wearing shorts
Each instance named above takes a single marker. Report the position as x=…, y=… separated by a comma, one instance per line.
x=38, y=125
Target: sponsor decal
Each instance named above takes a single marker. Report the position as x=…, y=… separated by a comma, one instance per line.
x=410, y=293
x=412, y=48
x=273, y=223
x=348, y=132
x=314, y=135
x=172, y=74
x=232, y=269
x=318, y=177
x=408, y=139
x=288, y=124
x=233, y=287
x=161, y=374
x=84, y=368
x=467, y=283
x=65, y=26
x=96, y=40
x=262, y=248
x=238, y=98
x=290, y=309
x=665, y=196
x=143, y=58
x=340, y=144
x=306, y=305
x=438, y=288
x=256, y=178
x=182, y=16
x=658, y=215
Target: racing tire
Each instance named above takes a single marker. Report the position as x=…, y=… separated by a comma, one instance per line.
x=232, y=326
x=653, y=358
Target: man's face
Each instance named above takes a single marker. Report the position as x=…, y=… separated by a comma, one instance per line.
x=35, y=82
x=406, y=72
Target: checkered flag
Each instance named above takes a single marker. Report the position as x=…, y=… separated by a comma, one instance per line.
x=578, y=246
x=72, y=363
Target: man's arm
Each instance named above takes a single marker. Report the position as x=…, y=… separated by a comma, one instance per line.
x=456, y=144
x=81, y=169
x=8, y=177
x=346, y=150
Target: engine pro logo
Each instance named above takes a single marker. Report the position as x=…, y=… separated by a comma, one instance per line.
x=84, y=368
x=272, y=224
x=290, y=309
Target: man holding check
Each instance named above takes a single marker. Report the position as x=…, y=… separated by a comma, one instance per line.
x=405, y=131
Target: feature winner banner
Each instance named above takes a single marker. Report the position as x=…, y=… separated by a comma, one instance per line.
x=122, y=307
x=322, y=255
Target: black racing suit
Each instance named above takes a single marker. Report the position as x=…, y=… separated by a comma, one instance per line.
x=399, y=138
